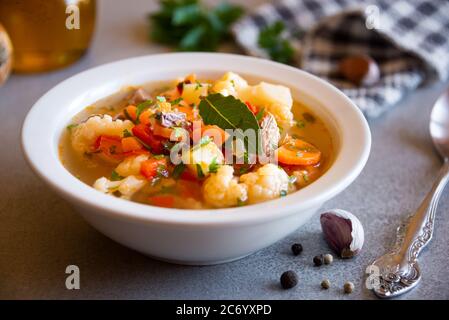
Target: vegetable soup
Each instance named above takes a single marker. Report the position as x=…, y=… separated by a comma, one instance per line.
x=189, y=143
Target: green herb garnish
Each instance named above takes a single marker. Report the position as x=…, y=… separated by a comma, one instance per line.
x=161, y=99
x=305, y=176
x=141, y=107
x=199, y=171
x=230, y=113
x=115, y=176
x=178, y=170
x=71, y=126
x=159, y=156
x=213, y=166
x=127, y=134
x=272, y=40
x=176, y=101
x=189, y=26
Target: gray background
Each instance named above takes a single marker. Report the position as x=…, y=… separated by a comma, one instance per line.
x=40, y=234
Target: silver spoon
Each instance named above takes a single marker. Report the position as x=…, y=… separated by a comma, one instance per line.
x=397, y=271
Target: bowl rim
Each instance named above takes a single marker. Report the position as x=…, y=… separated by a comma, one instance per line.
x=353, y=129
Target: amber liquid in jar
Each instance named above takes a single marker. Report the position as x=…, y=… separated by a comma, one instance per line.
x=44, y=34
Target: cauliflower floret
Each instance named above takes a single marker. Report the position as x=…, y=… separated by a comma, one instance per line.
x=131, y=165
x=222, y=189
x=84, y=135
x=127, y=187
x=276, y=99
x=206, y=156
x=268, y=182
x=230, y=84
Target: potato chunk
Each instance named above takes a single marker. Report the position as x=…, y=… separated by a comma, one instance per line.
x=276, y=99
x=192, y=92
x=201, y=158
x=229, y=84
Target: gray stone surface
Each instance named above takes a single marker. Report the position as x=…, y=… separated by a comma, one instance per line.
x=40, y=234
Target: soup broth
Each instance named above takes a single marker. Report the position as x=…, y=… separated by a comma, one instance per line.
x=136, y=165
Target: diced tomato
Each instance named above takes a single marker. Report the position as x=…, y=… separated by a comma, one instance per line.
x=135, y=153
x=252, y=108
x=110, y=147
x=143, y=132
x=165, y=201
x=188, y=175
x=131, y=144
x=152, y=167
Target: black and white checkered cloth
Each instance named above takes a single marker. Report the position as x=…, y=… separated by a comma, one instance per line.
x=409, y=39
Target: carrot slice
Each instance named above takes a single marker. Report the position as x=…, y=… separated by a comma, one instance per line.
x=145, y=116
x=110, y=146
x=131, y=112
x=152, y=167
x=215, y=132
x=165, y=201
x=162, y=131
x=189, y=111
x=298, y=152
x=131, y=144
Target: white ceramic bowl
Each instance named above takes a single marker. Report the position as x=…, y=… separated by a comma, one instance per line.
x=193, y=236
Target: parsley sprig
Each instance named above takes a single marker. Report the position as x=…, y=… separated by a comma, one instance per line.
x=189, y=26
x=271, y=39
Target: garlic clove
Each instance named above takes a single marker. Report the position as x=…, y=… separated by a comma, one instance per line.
x=343, y=232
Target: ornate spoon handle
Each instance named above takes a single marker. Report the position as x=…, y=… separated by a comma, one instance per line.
x=398, y=270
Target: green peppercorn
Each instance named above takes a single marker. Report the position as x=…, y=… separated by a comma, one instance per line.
x=348, y=287
x=296, y=249
x=328, y=258
x=318, y=260
x=325, y=284
x=289, y=279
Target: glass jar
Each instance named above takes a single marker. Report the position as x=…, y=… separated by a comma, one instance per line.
x=48, y=34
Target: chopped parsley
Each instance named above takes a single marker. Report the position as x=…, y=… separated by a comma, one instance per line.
x=213, y=166
x=199, y=171
x=115, y=176
x=176, y=101
x=71, y=126
x=141, y=107
x=161, y=99
x=126, y=133
x=305, y=176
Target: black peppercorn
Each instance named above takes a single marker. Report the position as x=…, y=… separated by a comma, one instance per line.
x=296, y=249
x=318, y=260
x=289, y=279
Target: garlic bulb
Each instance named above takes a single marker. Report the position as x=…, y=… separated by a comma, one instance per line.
x=343, y=232
x=5, y=55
